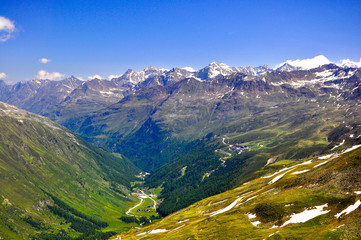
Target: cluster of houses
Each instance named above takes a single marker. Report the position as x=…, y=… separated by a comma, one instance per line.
x=146, y=210
x=238, y=148
x=142, y=175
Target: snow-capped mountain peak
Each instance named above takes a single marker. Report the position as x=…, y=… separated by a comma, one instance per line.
x=249, y=70
x=287, y=68
x=214, y=70
x=151, y=68
x=347, y=63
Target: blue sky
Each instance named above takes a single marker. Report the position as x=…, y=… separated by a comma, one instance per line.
x=84, y=38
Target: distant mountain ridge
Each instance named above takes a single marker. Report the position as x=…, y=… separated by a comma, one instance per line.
x=56, y=98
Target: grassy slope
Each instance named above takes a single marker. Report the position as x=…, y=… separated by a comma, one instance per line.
x=39, y=157
x=333, y=183
x=291, y=131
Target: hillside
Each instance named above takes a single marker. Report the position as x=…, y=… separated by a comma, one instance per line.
x=152, y=126
x=54, y=185
x=314, y=198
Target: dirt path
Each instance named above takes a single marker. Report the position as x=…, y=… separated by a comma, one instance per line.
x=130, y=209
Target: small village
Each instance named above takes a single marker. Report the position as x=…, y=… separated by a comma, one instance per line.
x=237, y=148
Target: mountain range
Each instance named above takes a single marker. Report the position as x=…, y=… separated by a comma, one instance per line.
x=199, y=133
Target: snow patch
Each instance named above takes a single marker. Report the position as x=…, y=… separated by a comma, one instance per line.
x=251, y=198
x=177, y=228
x=298, y=172
x=307, y=215
x=158, y=231
x=182, y=221
x=229, y=207
x=320, y=164
x=277, y=178
x=326, y=156
x=340, y=226
x=282, y=170
x=256, y=223
x=289, y=169
x=326, y=73
x=343, y=141
x=349, y=209
x=106, y=93
x=304, y=163
x=351, y=148
x=251, y=215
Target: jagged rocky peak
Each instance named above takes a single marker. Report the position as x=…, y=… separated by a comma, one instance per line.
x=151, y=69
x=151, y=72
x=72, y=78
x=249, y=70
x=215, y=70
x=133, y=77
x=181, y=72
x=287, y=68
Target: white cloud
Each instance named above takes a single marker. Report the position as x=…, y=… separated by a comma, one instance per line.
x=114, y=76
x=44, y=60
x=95, y=76
x=42, y=74
x=7, y=28
x=307, y=63
x=3, y=75
x=189, y=69
x=80, y=78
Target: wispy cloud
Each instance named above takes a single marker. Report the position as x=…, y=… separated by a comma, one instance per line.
x=44, y=60
x=189, y=69
x=7, y=28
x=3, y=75
x=114, y=76
x=42, y=74
x=95, y=76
